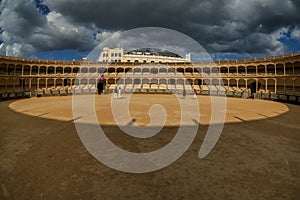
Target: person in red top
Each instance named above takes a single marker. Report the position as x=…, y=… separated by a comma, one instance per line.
x=195, y=94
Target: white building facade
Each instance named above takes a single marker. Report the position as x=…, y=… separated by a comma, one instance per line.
x=110, y=55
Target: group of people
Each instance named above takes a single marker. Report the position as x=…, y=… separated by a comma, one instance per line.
x=117, y=93
x=194, y=93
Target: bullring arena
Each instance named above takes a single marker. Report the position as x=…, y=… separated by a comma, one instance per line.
x=256, y=157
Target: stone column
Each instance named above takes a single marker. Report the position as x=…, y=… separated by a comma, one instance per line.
x=284, y=87
x=275, y=86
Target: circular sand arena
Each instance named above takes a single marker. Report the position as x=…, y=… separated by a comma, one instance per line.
x=237, y=110
x=256, y=157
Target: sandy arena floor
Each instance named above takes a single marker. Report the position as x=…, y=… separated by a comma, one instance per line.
x=256, y=157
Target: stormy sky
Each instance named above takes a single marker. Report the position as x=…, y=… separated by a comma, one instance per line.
x=37, y=28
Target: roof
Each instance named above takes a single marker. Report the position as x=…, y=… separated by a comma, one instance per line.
x=153, y=51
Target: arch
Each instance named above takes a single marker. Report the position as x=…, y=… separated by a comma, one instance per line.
x=198, y=82
x=189, y=70
x=101, y=70
x=241, y=69
x=180, y=82
x=189, y=82
x=145, y=81
x=92, y=81
x=26, y=70
x=225, y=82
x=215, y=70
x=145, y=70
x=120, y=81
x=19, y=69
x=35, y=70
x=2, y=84
x=59, y=82
x=297, y=86
x=59, y=70
x=128, y=81
x=137, y=70
x=171, y=81
x=279, y=69
x=50, y=83
x=163, y=70
x=162, y=81
x=128, y=70
x=180, y=70
x=171, y=70
x=75, y=70
x=83, y=81
x=206, y=82
x=198, y=70
x=120, y=70
x=111, y=70
x=271, y=85
x=154, y=71
x=289, y=89
x=280, y=86
x=261, y=85
x=3, y=68
x=289, y=68
x=206, y=70
x=11, y=69
x=232, y=83
x=43, y=70
x=251, y=84
x=92, y=70
x=224, y=70
x=261, y=69
x=154, y=81
x=232, y=69
x=242, y=83
x=270, y=69
x=42, y=83
x=67, y=70
x=251, y=69
x=83, y=70
x=137, y=81
x=111, y=81
x=50, y=70
x=215, y=82
x=297, y=68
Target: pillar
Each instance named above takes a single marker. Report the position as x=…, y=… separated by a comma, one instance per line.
x=275, y=86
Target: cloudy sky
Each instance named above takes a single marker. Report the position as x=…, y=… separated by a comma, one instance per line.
x=69, y=29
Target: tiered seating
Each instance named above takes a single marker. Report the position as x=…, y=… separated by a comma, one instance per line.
x=204, y=89
x=162, y=86
x=171, y=87
x=213, y=90
x=129, y=87
x=146, y=86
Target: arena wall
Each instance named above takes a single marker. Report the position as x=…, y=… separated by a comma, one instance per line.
x=269, y=77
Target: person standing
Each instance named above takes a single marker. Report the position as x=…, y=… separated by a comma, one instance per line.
x=195, y=94
x=184, y=93
x=116, y=93
x=99, y=89
x=119, y=92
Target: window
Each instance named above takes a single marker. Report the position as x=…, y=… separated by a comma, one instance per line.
x=112, y=54
x=120, y=55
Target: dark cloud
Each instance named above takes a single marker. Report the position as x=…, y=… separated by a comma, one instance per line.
x=228, y=26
